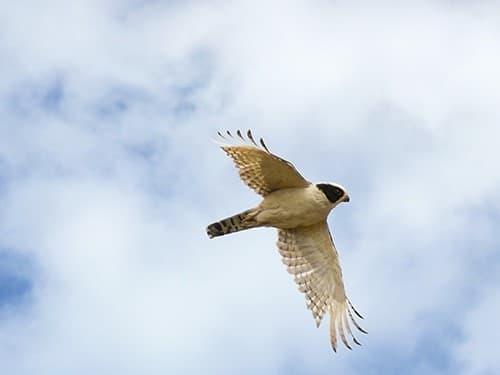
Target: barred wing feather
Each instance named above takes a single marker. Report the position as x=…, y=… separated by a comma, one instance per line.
x=310, y=255
x=261, y=170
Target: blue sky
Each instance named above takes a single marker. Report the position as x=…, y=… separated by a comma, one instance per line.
x=109, y=176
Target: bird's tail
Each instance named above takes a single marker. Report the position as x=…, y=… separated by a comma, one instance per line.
x=241, y=221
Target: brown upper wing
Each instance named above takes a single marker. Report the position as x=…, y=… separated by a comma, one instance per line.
x=261, y=170
x=310, y=255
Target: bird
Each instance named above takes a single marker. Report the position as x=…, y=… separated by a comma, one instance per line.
x=299, y=210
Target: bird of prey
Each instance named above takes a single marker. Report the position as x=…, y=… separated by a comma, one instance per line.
x=299, y=210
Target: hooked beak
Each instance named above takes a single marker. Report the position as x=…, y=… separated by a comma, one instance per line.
x=345, y=198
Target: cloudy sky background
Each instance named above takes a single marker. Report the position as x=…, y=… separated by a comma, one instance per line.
x=108, y=178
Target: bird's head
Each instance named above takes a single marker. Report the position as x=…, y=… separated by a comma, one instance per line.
x=335, y=193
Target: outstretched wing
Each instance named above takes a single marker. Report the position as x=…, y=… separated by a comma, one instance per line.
x=261, y=170
x=310, y=255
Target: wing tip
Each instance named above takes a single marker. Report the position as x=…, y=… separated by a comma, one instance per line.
x=227, y=136
x=339, y=326
x=264, y=145
x=354, y=309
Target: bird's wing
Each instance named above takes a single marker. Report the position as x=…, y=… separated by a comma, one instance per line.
x=261, y=170
x=310, y=255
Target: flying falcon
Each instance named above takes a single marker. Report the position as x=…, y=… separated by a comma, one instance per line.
x=298, y=209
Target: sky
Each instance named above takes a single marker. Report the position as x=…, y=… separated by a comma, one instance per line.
x=109, y=176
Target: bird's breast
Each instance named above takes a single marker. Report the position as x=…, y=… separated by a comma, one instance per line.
x=290, y=208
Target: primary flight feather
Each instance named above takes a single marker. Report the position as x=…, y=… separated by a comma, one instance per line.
x=299, y=210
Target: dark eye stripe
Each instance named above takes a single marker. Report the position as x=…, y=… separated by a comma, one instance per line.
x=333, y=193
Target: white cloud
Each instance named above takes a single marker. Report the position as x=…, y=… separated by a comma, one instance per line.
x=110, y=190
x=477, y=350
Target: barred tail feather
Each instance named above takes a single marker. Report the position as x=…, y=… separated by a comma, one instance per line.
x=231, y=224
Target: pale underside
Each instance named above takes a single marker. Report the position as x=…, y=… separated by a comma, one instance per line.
x=308, y=252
